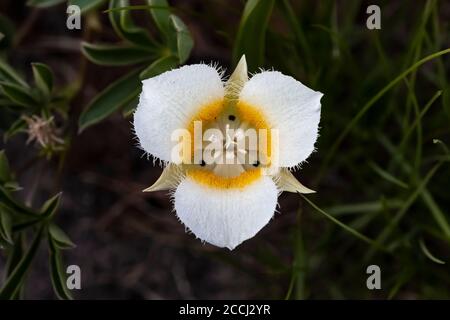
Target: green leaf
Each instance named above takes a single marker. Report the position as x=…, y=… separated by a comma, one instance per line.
x=8, y=201
x=62, y=241
x=43, y=77
x=129, y=107
x=251, y=36
x=49, y=208
x=161, y=15
x=8, y=74
x=111, y=55
x=387, y=176
x=43, y=3
x=5, y=174
x=340, y=224
x=6, y=226
x=184, y=42
x=18, y=126
x=58, y=276
x=428, y=254
x=159, y=66
x=12, y=186
x=124, y=26
x=17, y=94
x=110, y=99
x=362, y=111
x=7, y=30
x=86, y=5
x=14, y=253
x=15, y=280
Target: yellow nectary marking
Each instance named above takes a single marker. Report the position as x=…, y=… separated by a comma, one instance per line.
x=210, y=179
x=207, y=114
x=256, y=119
x=252, y=115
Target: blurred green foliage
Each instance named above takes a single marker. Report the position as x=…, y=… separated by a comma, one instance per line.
x=382, y=167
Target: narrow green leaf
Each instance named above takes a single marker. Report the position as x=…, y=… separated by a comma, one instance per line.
x=12, y=186
x=49, y=208
x=43, y=3
x=113, y=55
x=57, y=273
x=339, y=223
x=8, y=74
x=62, y=241
x=161, y=15
x=129, y=107
x=8, y=201
x=349, y=127
x=17, y=94
x=436, y=212
x=6, y=226
x=124, y=26
x=379, y=241
x=183, y=38
x=428, y=254
x=159, y=66
x=14, y=254
x=426, y=196
x=15, y=280
x=7, y=30
x=18, y=126
x=86, y=5
x=110, y=99
x=364, y=207
x=251, y=36
x=5, y=174
x=43, y=77
x=387, y=176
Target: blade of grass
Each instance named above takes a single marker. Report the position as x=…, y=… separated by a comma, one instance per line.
x=364, y=207
x=340, y=224
x=428, y=254
x=387, y=176
x=426, y=196
x=400, y=214
x=369, y=104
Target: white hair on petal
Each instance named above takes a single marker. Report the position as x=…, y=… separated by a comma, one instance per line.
x=291, y=108
x=225, y=217
x=168, y=102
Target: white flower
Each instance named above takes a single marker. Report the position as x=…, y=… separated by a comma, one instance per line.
x=226, y=204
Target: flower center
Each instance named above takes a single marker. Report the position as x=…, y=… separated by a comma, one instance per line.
x=235, y=145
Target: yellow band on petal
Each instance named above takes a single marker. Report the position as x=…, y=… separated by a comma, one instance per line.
x=207, y=113
x=257, y=120
x=208, y=178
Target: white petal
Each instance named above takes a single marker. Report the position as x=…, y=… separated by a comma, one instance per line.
x=290, y=107
x=226, y=217
x=169, y=101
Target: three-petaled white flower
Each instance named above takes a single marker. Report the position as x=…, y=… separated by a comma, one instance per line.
x=222, y=203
